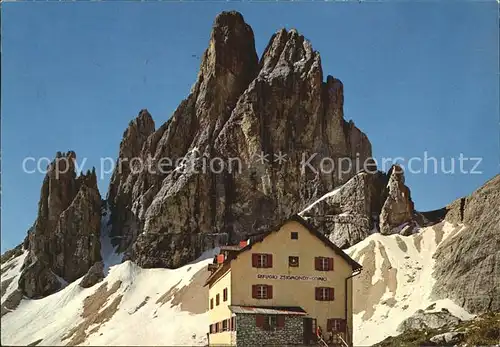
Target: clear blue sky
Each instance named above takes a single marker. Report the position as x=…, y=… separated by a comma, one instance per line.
x=418, y=77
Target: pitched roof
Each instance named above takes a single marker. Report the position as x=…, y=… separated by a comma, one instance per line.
x=295, y=218
x=354, y=264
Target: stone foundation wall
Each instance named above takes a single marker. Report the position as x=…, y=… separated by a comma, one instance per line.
x=248, y=334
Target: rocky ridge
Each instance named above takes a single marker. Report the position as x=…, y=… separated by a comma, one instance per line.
x=367, y=203
x=468, y=265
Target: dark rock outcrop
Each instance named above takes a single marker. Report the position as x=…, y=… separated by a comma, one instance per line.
x=467, y=267
x=448, y=339
x=212, y=189
x=483, y=330
x=93, y=276
x=64, y=242
x=12, y=253
x=11, y=302
x=428, y=320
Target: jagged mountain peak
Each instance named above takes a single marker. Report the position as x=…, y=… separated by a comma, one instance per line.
x=138, y=130
x=143, y=122
x=64, y=241
x=231, y=46
x=238, y=108
x=288, y=49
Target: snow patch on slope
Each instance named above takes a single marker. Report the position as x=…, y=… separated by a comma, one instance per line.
x=11, y=270
x=144, y=315
x=396, y=281
x=327, y=195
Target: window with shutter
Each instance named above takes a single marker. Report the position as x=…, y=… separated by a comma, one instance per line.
x=323, y=264
x=233, y=323
x=324, y=294
x=336, y=324
x=271, y=322
x=224, y=294
x=261, y=260
x=217, y=300
x=224, y=325
x=262, y=291
x=212, y=303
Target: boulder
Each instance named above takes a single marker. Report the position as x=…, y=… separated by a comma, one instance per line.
x=450, y=338
x=93, y=276
x=428, y=320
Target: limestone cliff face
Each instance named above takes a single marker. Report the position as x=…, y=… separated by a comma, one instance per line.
x=239, y=107
x=350, y=213
x=367, y=203
x=64, y=241
x=122, y=184
x=468, y=265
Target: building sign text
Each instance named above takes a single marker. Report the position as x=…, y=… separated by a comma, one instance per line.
x=291, y=277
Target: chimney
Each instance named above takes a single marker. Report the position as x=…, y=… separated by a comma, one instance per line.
x=220, y=258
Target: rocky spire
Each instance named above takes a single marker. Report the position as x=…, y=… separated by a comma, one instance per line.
x=64, y=241
x=122, y=181
x=398, y=207
x=227, y=67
